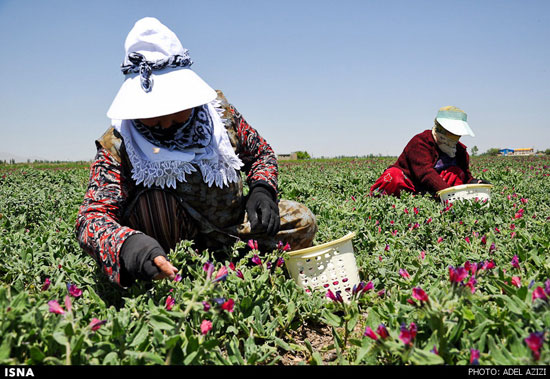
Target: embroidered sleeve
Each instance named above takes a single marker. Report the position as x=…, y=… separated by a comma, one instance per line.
x=260, y=162
x=97, y=227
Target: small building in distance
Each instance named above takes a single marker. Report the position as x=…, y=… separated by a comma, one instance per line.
x=515, y=152
x=505, y=152
x=287, y=157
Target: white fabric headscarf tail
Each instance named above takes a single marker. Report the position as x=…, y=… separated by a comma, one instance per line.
x=153, y=165
x=446, y=145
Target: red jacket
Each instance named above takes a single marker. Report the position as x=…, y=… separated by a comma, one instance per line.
x=418, y=159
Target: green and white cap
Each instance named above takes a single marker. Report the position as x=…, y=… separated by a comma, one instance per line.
x=453, y=120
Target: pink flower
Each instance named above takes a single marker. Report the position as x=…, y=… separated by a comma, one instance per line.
x=538, y=293
x=95, y=324
x=472, y=267
x=422, y=254
x=68, y=304
x=407, y=334
x=428, y=220
x=221, y=275
x=46, y=284
x=474, y=357
x=370, y=333
x=228, y=305
x=55, y=307
x=420, y=294
x=457, y=275
x=74, y=290
x=440, y=239
x=206, y=326
x=177, y=278
x=232, y=266
x=516, y=281
x=471, y=284
x=483, y=240
x=253, y=244
x=280, y=262
x=382, y=331
x=209, y=268
x=515, y=262
x=404, y=273
x=492, y=247
x=534, y=342
x=467, y=239
x=170, y=301
x=256, y=260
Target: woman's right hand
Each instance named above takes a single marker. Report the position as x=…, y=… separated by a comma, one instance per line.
x=165, y=267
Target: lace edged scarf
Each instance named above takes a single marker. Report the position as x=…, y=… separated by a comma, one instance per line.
x=164, y=166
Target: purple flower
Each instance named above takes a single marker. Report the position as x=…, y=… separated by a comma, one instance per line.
x=534, y=342
x=515, y=262
x=55, y=307
x=177, y=278
x=280, y=262
x=474, y=357
x=239, y=274
x=46, y=284
x=95, y=324
x=336, y=297
x=256, y=260
x=205, y=306
x=74, y=290
x=382, y=331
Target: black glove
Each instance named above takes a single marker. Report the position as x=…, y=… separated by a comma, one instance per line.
x=136, y=256
x=263, y=211
x=478, y=181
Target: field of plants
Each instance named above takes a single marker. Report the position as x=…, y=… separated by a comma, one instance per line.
x=457, y=285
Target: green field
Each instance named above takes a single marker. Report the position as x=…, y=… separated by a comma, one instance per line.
x=406, y=250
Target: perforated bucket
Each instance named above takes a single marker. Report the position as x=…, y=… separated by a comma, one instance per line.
x=481, y=192
x=330, y=266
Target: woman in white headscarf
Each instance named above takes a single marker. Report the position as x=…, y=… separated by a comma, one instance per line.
x=169, y=168
x=432, y=160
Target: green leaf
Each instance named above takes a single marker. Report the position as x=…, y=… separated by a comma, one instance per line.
x=422, y=357
x=60, y=338
x=282, y=344
x=330, y=318
x=161, y=322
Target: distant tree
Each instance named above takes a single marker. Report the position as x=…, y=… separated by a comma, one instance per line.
x=474, y=151
x=547, y=151
x=492, y=151
x=302, y=155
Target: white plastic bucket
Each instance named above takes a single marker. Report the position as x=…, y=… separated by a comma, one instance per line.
x=330, y=266
x=481, y=192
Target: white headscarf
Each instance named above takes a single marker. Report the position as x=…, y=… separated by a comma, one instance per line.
x=153, y=165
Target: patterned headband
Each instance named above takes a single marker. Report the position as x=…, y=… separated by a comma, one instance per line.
x=139, y=64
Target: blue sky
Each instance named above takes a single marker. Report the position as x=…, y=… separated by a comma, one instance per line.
x=329, y=77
